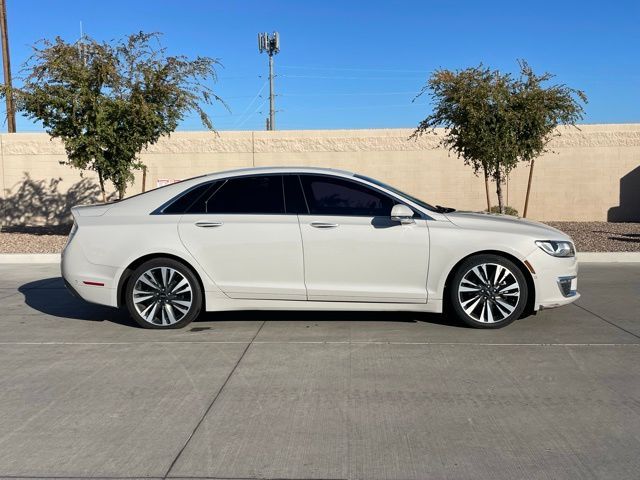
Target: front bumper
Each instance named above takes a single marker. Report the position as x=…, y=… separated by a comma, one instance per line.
x=556, y=279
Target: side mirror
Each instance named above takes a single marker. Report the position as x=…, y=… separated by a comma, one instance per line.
x=402, y=213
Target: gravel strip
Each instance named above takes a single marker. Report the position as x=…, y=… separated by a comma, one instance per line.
x=32, y=239
x=602, y=236
x=588, y=236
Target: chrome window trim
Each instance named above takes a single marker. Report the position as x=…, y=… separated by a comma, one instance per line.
x=393, y=196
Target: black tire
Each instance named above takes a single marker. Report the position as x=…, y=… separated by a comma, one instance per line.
x=171, y=305
x=487, y=304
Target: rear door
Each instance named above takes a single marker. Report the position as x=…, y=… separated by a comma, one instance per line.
x=241, y=234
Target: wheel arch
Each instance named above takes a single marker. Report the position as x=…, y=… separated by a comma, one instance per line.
x=126, y=275
x=531, y=286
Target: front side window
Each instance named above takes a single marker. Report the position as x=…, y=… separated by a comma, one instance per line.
x=422, y=203
x=247, y=195
x=335, y=196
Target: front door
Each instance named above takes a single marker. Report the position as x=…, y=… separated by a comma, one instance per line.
x=243, y=237
x=353, y=251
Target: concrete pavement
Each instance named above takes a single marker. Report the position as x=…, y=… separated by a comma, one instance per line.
x=309, y=395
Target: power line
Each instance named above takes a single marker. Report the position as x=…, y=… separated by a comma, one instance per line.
x=250, y=117
x=357, y=107
x=235, y=97
x=250, y=104
x=237, y=77
x=347, y=94
x=388, y=70
x=368, y=77
x=257, y=110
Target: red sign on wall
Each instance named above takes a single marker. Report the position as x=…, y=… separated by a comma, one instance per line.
x=161, y=182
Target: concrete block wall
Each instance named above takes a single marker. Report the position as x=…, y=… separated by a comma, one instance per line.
x=585, y=177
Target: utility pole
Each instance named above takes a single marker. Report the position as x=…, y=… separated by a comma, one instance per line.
x=271, y=45
x=6, y=65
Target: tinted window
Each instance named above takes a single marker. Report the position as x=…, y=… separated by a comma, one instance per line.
x=395, y=190
x=182, y=203
x=293, y=198
x=200, y=205
x=260, y=194
x=334, y=196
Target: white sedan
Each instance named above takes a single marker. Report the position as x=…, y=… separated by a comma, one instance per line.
x=315, y=239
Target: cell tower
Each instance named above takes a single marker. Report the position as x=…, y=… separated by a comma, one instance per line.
x=271, y=45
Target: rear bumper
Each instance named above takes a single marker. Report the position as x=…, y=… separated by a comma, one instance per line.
x=70, y=288
x=85, y=280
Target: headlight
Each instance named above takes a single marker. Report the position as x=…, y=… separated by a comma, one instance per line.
x=557, y=248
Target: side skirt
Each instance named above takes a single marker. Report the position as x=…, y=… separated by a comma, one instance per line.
x=215, y=303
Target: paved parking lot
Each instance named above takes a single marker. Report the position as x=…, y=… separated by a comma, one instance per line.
x=295, y=395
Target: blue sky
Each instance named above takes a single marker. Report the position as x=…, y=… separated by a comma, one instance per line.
x=359, y=64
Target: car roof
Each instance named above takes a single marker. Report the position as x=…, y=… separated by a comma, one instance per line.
x=264, y=170
x=166, y=192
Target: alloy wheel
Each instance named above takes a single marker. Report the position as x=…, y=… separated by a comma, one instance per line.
x=162, y=296
x=489, y=293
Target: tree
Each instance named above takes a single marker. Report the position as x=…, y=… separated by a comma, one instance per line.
x=108, y=101
x=494, y=120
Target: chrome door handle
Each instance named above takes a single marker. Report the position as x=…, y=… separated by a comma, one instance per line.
x=323, y=225
x=208, y=224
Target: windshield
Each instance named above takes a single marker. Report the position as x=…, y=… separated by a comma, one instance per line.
x=415, y=200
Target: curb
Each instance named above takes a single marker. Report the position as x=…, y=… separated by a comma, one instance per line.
x=608, y=257
x=6, y=258
x=583, y=257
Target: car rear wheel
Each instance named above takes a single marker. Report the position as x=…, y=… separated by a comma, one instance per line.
x=163, y=293
x=488, y=291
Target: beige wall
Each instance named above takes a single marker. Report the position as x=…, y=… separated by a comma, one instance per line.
x=581, y=180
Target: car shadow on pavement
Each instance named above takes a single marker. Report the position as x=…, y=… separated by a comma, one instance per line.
x=311, y=316
x=50, y=297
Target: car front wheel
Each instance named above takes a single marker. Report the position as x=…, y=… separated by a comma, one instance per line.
x=163, y=293
x=488, y=291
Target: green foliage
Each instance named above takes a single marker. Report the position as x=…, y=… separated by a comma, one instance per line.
x=108, y=101
x=507, y=210
x=494, y=120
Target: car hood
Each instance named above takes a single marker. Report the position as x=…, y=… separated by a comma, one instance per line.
x=505, y=223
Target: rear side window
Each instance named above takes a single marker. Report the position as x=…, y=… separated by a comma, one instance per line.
x=187, y=199
x=246, y=195
x=200, y=205
x=335, y=196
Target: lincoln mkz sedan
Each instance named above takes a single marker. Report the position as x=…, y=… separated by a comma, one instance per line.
x=310, y=239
